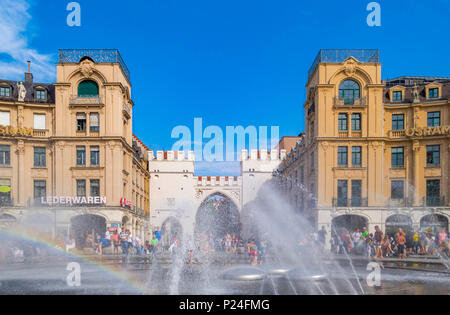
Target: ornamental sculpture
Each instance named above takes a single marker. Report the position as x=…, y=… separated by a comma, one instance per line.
x=22, y=92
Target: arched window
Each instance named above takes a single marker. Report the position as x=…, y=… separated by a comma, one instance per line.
x=349, y=92
x=88, y=88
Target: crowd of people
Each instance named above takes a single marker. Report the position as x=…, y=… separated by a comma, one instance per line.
x=124, y=243
x=377, y=245
x=399, y=244
x=254, y=247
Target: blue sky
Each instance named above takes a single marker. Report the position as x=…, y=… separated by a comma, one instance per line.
x=235, y=62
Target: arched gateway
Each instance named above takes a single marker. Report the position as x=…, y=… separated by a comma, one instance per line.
x=205, y=204
x=217, y=215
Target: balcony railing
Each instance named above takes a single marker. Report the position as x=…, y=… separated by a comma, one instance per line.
x=402, y=202
x=350, y=102
x=86, y=101
x=40, y=132
x=340, y=55
x=350, y=202
x=137, y=211
x=438, y=201
x=126, y=111
x=396, y=133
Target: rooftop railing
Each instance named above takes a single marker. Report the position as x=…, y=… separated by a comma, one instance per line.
x=340, y=55
x=97, y=55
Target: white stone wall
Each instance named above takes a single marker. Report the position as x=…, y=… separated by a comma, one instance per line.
x=176, y=192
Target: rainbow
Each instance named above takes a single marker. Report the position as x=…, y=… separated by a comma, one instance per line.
x=136, y=285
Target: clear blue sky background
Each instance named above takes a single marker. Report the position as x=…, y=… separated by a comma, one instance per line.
x=236, y=62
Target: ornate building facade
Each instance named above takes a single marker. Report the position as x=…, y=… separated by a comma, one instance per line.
x=69, y=160
x=374, y=152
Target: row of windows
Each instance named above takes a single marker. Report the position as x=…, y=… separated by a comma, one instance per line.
x=342, y=200
x=398, y=121
x=38, y=119
x=39, y=95
x=433, y=191
x=81, y=156
x=94, y=122
x=397, y=156
x=94, y=187
x=433, y=120
x=40, y=188
x=433, y=156
x=40, y=156
x=343, y=156
x=397, y=192
x=343, y=121
x=86, y=88
x=397, y=96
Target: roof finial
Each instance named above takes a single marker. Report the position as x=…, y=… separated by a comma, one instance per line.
x=29, y=66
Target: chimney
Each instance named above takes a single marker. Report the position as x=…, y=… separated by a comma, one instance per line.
x=28, y=74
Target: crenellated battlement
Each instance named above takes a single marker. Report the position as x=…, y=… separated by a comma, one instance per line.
x=218, y=181
x=171, y=156
x=263, y=155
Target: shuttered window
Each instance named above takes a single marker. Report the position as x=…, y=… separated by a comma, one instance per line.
x=39, y=121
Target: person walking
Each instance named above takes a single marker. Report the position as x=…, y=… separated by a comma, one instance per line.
x=116, y=242
x=322, y=236
x=124, y=241
x=401, y=246
x=378, y=241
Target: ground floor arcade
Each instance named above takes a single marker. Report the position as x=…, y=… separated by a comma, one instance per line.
x=389, y=220
x=74, y=223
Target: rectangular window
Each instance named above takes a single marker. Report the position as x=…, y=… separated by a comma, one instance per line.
x=81, y=188
x=356, y=156
x=95, y=187
x=342, y=193
x=302, y=175
x=5, y=155
x=5, y=119
x=342, y=122
x=398, y=122
x=433, y=155
x=5, y=193
x=433, y=93
x=356, y=193
x=95, y=156
x=94, y=122
x=397, y=159
x=5, y=91
x=397, y=189
x=312, y=160
x=342, y=156
x=81, y=156
x=39, y=157
x=356, y=122
x=433, y=192
x=41, y=95
x=39, y=121
x=434, y=119
x=40, y=189
x=81, y=122
x=397, y=96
